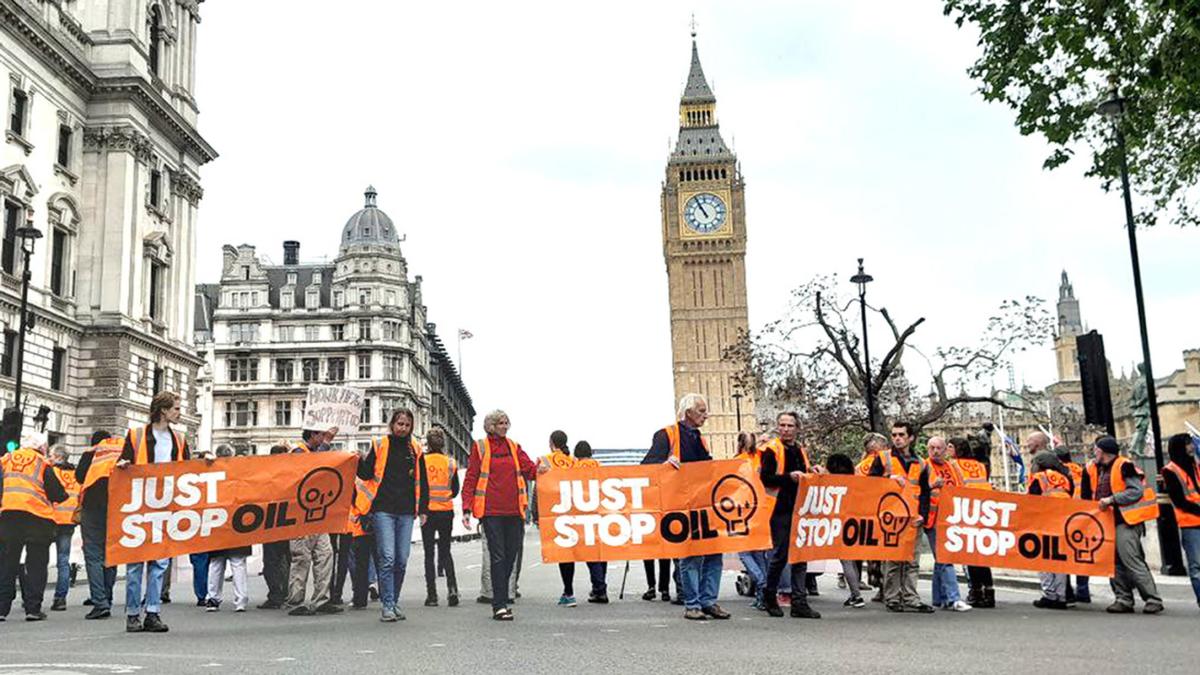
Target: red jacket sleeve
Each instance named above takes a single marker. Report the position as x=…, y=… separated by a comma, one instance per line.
x=468, y=488
x=528, y=467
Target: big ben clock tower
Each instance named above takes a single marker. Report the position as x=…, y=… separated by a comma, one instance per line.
x=704, y=244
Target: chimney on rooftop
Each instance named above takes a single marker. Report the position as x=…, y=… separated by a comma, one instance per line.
x=291, y=253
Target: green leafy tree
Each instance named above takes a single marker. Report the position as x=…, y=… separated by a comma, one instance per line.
x=1054, y=61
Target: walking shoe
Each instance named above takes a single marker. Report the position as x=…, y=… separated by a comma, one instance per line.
x=202, y=602
x=431, y=601
x=59, y=605
x=804, y=612
x=841, y=583
x=483, y=600
x=694, y=615
x=165, y=598
x=677, y=600
x=895, y=607
x=567, y=601
x=1048, y=603
x=919, y=608
x=87, y=602
x=855, y=601
x=356, y=606
x=337, y=601
x=372, y=593
x=302, y=610
x=503, y=614
x=1119, y=607
x=154, y=624
x=133, y=624
x=666, y=597
x=517, y=596
x=35, y=616
x=598, y=598
x=98, y=613
x=399, y=615
x=452, y=600
x=959, y=606
x=271, y=604
x=239, y=609
x=714, y=610
x=974, y=596
x=387, y=616
x=328, y=608
x=989, y=599
x=773, y=609
x=1153, y=607
x=650, y=594
x=212, y=605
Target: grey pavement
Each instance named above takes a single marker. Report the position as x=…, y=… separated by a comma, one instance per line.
x=630, y=636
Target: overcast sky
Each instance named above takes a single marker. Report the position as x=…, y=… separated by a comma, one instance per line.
x=520, y=149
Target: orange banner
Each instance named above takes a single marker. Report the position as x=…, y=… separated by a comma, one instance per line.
x=651, y=511
x=164, y=510
x=852, y=518
x=1025, y=532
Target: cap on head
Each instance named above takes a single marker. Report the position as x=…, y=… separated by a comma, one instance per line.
x=1108, y=445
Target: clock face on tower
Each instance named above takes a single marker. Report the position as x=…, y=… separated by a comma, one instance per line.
x=704, y=213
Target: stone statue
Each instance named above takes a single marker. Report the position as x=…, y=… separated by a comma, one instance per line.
x=1139, y=407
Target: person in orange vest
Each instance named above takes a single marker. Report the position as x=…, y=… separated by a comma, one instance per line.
x=92, y=472
x=439, y=487
x=1074, y=468
x=1049, y=478
x=981, y=593
x=29, y=492
x=755, y=562
x=939, y=472
x=1182, y=480
x=313, y=553
x=1117, y=483
x=154, y=443
x=64, y=521
x=560, y=458
x=897, y=462
x=494, y=492
x=597, y=570
x=391, y=472
x=784, y=462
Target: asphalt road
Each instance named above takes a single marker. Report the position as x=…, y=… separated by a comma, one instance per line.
x=630, y=636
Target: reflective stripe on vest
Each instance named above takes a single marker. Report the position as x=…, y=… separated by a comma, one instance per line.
x=479, y=504
x=1189, y=483
x=1140, y=511
x=382, y=447
x=139, y=439
x=886, y=458
x=439, y=473
x=1052, y=483
x=24, y=489
x=677, y=447
x=974, y=474
x=951, y=476
x=64, y=511
x=105, y=455
x=1077, y=477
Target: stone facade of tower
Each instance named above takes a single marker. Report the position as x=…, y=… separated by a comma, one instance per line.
x=704, y=245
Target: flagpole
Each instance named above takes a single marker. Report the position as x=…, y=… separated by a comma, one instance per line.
x=460, y=368
x=1004, y=452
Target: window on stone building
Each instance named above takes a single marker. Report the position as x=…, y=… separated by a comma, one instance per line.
x=155, y=51
x=365, y=416
x=392, y=368
x=243, y=332
x=310, y=369
x=337, y=370
x=8, y=359
x=58, y=365
x=64, y=145
x=338, y=299
x=8, y=253
x=389, y=331
x=156, y=188
x=364, y=296
x=242, y=369
x=156, y=284
x=364, y=366
x=287, y=333
x=241, y=414
x=156, y=384
x=312, y=299
x=287, y=299
x=364, y=329
x=283, y=370
x=312, y=333
x=316, y=278
x=391, y=298
x=338, y=331
x=283, y=413
x=59, y=252
x=291, y=278
x=18, y=111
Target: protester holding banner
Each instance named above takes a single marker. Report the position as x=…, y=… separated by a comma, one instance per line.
x=1182, y=480
x=1049, y=478
x=664, y=566
x=1074, y=468
x=784, y=462
x=439, y=487
x=92, y=472
x=494, y=492
x=899, y=576
x=154, y=443
x=838, y=464
x=755, y=562
x=277, y=560
x=218, y=561
x=1117, y=483
x=311, y=552
x=30, y=490
x=560, y=458
x=974, y=473
x=64, y=521
x=597, y=569
x=391, y=475
x=939, y=472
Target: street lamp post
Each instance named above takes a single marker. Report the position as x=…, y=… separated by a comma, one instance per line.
x=28, y=236
x=862, y=279
x=737, y=405
x=1168, y=533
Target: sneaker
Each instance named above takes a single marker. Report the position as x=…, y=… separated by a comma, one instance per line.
x=387, y=616
x=35, y=616
x=271, y=604
x=302, y=610
x=372, y=593
x=855, y=601
x=452, y=600
x=919, y=608
x=202, y=602
x=715, y=611
x=695, y=615
x=399, y=615
x=329, y=608
x=1047, y=603
x=773, y=609
x=87, y=602
x=959, y=606
x=212, y=605
x=598, y=598
x=677, y=600
x=567, y=601
x=895, y=607
x=1119, y=607
x=483, y=600
x=431, y=601
x=154, y=624
x=98, y=613
x=649, y=595
x=1153, y=607
x=133, y=624
x=804, y=612
x=59, y=605
x=239, y=609
x=503, y=614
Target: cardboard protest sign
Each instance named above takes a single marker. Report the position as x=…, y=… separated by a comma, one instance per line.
x=651, y=511
x=331, y=406
x=1025, y=532
x=172, y=508
x=852, y=518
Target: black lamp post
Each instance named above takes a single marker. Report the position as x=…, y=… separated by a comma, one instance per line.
x=737, y=405
x=28, y=236
x=862, y=279
x=1168, y=532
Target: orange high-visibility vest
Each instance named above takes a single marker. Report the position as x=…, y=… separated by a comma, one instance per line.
x=359, y=507
x=24, y=489
x=138, y=437
x=1053, y=484
x=370, y=486
x=586, y=463
x=560, y=460
x=439, y=473
x=485, y=450
x=951, y=476
x=105, y=455
x=64, y=511
x=776, y=447
x=1077, y=477
x=1189, y=483
x=974, y=474
x=913, y=477
x=889, y=460
x=754, y=457
x=676, y=446
x=1140, y=511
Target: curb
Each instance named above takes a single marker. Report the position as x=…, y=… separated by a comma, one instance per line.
x=1032, y=583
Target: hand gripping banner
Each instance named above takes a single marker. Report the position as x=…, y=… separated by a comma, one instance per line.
x=1025, y=532
x=163, y=510
x=852, y=518
x=651, y=511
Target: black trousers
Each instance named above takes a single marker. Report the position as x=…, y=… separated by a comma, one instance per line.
x=341, y=566
x=664, y=575
x=33, y=536
x=567, y=572
x=277, y=564
x=505, y=536
x=435, y=537
x=781, y=534
x=979, y=577
x=360, y=575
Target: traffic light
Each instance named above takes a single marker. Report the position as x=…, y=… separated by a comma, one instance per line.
x=1093, y=378
x=10, y=429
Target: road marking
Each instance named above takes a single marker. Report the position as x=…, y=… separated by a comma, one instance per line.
x=609, y=630
x=365, y=651
x=210, y=665
x=285, y=658
x=658, y=625
x=438, y=644
x=111, y=667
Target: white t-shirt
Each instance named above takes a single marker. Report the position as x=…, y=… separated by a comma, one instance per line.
x=162, y=445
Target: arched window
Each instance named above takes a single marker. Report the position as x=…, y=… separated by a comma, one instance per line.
x=722, y=174
x=155, y=37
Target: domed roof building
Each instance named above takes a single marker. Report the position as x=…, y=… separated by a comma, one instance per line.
x=370, y=225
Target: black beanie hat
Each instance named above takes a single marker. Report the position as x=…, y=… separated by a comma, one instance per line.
x=1108, y=444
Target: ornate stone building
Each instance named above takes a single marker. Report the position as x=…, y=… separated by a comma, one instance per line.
x=268, y=331
x=101, y=155
x=704, y=245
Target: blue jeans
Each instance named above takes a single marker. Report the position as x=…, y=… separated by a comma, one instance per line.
x=100, y=578
x=1191, y=549
x=154, y=570
x=755, y=563
x=199, y=574
x=62, y=548
x=701, y=577
x=598, y=572
x=393, y=540
x=945, y=580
